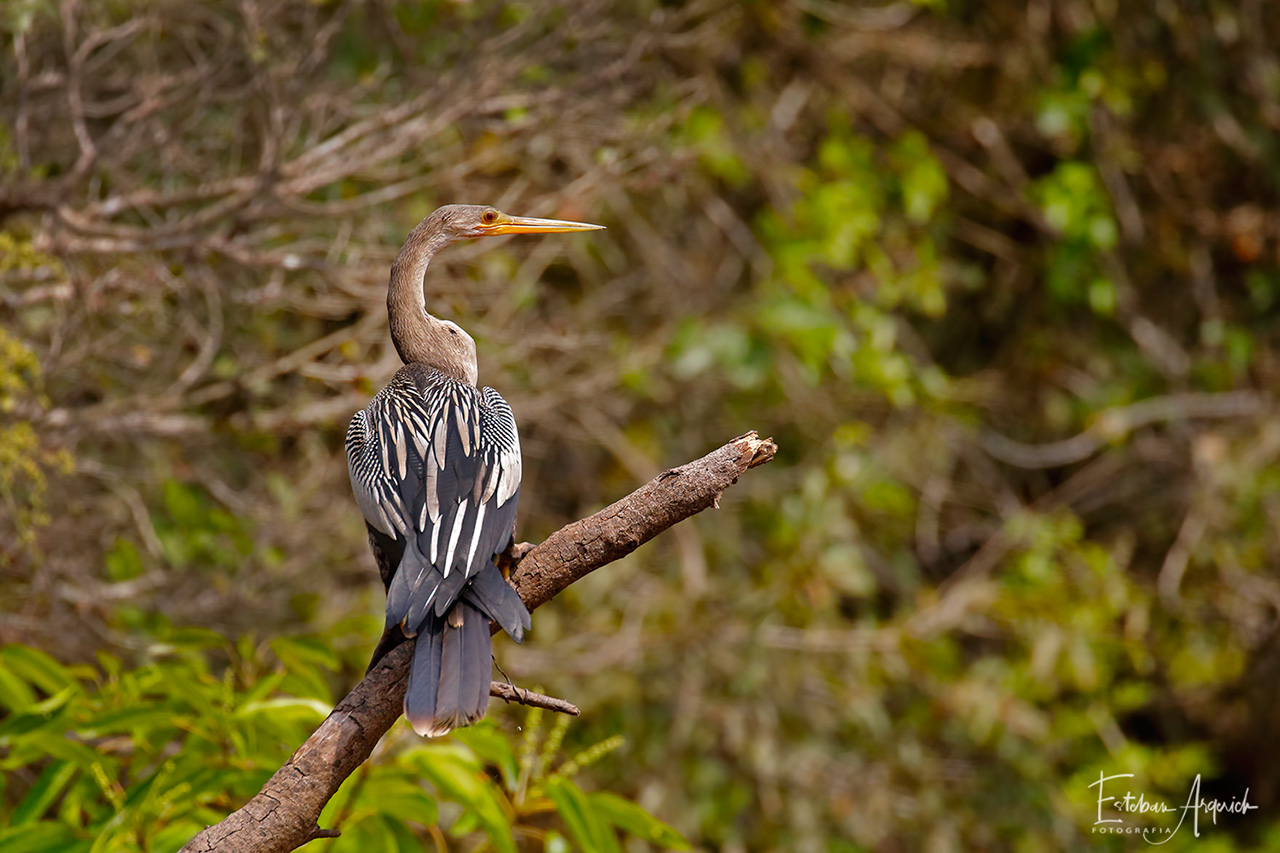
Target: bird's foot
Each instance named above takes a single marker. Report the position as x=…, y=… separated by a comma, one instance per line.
x=510, y=558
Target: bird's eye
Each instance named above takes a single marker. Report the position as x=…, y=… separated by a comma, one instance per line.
x=489, y=217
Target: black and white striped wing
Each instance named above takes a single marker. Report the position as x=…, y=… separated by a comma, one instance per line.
x=436, y=464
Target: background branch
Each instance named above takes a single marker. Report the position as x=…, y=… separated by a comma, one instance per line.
x=283, y=815
x=511, y=693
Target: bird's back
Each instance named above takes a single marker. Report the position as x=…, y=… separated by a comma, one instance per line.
x=428, y=447
x=435, y=467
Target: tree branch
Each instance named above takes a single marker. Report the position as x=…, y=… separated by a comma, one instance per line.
x=510, y=693
x=283, y=815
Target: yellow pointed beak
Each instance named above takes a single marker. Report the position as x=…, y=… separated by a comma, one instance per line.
x=528, y=225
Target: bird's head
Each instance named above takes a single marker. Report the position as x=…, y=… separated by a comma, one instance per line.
x=463, y=221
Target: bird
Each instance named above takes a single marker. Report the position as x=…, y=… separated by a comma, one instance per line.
x=435, y=467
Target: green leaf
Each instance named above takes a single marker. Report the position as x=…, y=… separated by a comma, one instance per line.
x=37, y=716
x=405, y=840
x=629, y=817
x=71, y=845
x=37, y=668
x=130, y=719
x=398, y=796
x=51, y=744
x=585, y=825
x=304, y=657
x=178, y=833
x=186, y=687
x=923, y=180
x=305, y=650
x=46, y=789
x=492, y=745
x=39, y=838
x=291, y=706
x=369, y=833
x=15, y=693
x=18, y=725
x=458, y=777
x=184, y=504
x=262, y=688
x=122, y=562
x=110, y=663
x=205, y=783
x=466, y=823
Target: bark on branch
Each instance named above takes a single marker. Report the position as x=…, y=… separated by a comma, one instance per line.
x=283, y=815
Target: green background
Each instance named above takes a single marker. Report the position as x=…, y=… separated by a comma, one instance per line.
x=1001, y=279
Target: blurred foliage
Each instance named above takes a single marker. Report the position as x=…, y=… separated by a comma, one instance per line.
x=112, y=759
x=1001, y=279
x=25, y=461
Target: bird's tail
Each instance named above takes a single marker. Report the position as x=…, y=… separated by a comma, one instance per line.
x=452, y=668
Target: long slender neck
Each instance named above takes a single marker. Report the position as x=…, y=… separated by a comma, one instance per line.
x=418, y=337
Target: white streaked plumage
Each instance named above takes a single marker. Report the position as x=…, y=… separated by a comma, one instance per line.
x=406, y=457
x=475, y=535
x=459, y=519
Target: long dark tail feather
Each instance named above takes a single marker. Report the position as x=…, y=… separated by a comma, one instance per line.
x=477, y=655
x=491, y=593
x=424, y=676
x=452, y=667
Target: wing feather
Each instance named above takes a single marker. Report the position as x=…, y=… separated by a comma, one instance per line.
x=436, y=465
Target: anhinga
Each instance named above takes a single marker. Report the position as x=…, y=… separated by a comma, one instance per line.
x=435, y=467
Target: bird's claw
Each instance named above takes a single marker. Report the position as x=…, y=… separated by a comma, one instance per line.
x=510, y=558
